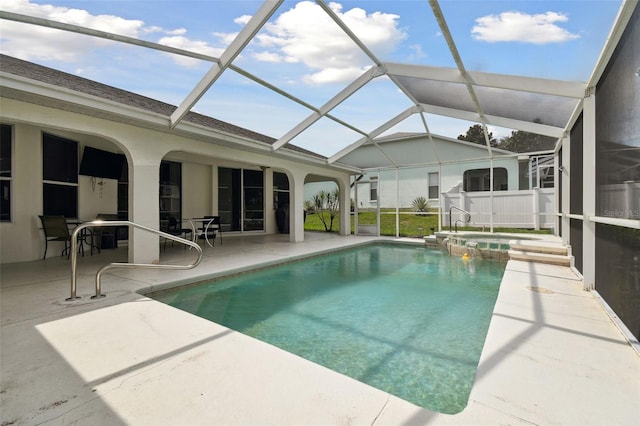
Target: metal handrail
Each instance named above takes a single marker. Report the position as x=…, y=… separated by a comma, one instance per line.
x=103, y=223
x=468, y=217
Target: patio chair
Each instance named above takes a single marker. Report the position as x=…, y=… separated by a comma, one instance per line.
x=105, y=236
x=210, y=229
x=176, y=230
x=56, y=229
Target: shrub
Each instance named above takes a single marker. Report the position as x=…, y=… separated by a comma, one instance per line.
x=328, y=202
x=420, y=204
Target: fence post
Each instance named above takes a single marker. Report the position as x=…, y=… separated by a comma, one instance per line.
x=535, y=192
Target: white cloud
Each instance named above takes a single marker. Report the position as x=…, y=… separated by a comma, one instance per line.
x=331, y=75
x=31, y=42
x=268, y=57
x=242, y=20
x=225, y=38
x=418, y=52
x=184, y=43
x=176, y=32
x=34, y=42
x=305, y=34
x=521, y=27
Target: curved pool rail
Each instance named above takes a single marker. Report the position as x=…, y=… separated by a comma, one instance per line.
x=104, y=223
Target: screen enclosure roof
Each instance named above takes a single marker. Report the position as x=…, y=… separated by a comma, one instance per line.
x=494, y=100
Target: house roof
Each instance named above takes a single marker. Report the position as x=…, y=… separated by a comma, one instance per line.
x=406, y=149
x=75, y=83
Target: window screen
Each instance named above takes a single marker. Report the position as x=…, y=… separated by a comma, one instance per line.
x=480, y=180
x=575, y=169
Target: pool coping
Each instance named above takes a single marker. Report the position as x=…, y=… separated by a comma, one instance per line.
x=192, y=371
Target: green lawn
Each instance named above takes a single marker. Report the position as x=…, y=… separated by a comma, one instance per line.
x=409, y=224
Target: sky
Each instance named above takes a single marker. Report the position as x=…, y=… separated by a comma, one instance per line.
x=303, y=52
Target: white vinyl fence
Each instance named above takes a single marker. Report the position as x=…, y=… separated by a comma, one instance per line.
x=510, y=209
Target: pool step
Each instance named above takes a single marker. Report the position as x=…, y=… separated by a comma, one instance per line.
x=538, y=247
x=539, y=252
x=430, y=241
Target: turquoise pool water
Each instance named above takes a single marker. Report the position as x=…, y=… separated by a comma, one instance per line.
x=408, y=320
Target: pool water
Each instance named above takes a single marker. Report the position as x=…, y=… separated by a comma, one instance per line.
x=407, y=320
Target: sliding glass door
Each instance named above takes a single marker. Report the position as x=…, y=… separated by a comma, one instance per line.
x=241, y=199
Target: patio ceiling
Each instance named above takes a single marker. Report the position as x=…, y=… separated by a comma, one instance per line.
x=535, y=105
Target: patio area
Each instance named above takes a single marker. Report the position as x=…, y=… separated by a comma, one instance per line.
x=552, y=354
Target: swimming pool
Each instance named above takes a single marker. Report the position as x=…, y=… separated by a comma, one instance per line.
x=408, y=320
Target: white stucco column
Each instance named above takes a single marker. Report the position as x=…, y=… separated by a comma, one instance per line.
x=589, y=190
x=270, y=225
x=296, y=206
x=345, y=206
x=22, y=238
x=144, y=184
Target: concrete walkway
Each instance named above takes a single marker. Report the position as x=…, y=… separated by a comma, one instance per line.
x=552, y=355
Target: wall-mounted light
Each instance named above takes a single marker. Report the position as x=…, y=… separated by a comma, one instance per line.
x=638, y=72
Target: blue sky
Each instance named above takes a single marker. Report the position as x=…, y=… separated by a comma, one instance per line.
x=303, y=52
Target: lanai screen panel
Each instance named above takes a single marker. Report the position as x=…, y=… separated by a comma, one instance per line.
x=415, y=152
x=408, y=152
x=512, y=104
x=367, y=156
x=438, y=93
x=526, y=106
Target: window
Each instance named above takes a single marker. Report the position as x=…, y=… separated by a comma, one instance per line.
x=253, y=183
x=6, y=132
x=373, y=189
x=434, y=188
x=60, y=176
x=480, y=180
x=229, y=198
x=170, y=192
x=280, y=191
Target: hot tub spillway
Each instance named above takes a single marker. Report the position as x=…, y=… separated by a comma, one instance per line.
x=490, y=247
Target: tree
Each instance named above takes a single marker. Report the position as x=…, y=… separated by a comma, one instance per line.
x=521, y=141
x=329, y=202
x=475, y=134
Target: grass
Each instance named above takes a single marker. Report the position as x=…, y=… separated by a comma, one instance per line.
x=411, y=225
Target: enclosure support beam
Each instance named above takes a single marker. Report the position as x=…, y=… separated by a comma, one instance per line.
x=589, y=191
x=566, y=187
x=397, y=202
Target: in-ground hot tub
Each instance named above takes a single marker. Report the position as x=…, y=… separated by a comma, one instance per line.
x=483, y=245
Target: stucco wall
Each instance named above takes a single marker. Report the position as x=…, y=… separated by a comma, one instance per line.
x=22, y=239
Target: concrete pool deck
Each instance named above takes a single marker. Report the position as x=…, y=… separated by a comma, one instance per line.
x=552, y=354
